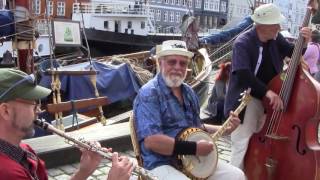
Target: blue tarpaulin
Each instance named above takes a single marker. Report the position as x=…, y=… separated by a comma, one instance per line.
x=117, y=82
x=6, y=23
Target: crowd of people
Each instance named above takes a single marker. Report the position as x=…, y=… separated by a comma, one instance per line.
x=165, y=106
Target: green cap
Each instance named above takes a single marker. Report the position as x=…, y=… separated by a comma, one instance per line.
x=17, y=84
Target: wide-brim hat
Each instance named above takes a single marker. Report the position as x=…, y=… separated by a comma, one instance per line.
x=16, y=84
x=174, y=47
x=267, y=14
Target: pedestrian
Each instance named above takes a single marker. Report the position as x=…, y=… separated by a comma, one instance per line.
x=218, y=93
x=312, y=55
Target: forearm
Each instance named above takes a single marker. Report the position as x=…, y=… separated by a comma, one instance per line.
x=160, y=143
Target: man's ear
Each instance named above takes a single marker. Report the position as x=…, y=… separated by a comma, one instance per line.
x=5, y=111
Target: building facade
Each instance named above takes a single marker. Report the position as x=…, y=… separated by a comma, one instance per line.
x=211, y=14
x=294, y=11
x=168, y=14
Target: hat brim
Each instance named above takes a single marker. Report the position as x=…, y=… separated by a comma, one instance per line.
x=28, y=93
x=175, y=52
x=278, y=20
x=35, y=93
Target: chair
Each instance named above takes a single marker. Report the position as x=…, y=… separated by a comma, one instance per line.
x=135, y=142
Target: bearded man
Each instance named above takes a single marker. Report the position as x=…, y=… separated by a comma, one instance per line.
x=164, y=107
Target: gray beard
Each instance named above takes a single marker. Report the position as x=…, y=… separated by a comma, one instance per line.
x=174, y=81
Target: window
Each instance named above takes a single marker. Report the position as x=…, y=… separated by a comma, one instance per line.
x=172, y=2
x=50, y=7
x=178, y=17
x=165, y=16
x=171, y=16
x=198, y=4
x=190, y=3
x=143, y=24
x=2, y=4
x=206, y=4
x=36, y=6
x=184, y=2
x=61, y=8
x=223, y=7
x=106, y=24
x=158, y=17
x=216, y=6
x=177, y=2
x=129, y=24
x=152, y=15
x=166, y=1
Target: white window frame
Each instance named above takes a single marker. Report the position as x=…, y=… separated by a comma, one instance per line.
x=165, y=16
x=206, y=5
x=158, y=17
x=50, y=7
x=190, y=3
x=171, y=16
x=178, y=17
x=198, y=4
x=61, y=8
x=36, y=6
x=152, y=14
x=223, y=6
x=166, y=1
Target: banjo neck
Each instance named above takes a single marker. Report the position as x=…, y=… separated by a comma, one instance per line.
x=244, y=101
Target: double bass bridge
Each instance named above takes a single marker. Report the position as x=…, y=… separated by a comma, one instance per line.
x=277, y=137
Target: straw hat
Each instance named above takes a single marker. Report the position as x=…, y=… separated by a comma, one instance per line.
x=267, y=14
x=174, y=47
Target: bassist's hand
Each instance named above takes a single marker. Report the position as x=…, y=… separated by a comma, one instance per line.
x=275, y=100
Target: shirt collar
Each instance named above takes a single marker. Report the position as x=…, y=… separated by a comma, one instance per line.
x=14, y=152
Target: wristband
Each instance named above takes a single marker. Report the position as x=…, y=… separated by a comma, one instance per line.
x=184, y=147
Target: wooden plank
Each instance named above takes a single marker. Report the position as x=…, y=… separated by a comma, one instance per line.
x=78, y=104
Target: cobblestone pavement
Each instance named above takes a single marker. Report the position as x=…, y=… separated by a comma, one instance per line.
x=64, y=172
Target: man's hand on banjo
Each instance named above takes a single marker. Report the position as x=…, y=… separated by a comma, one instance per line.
x=233, y=124
x=204, y=147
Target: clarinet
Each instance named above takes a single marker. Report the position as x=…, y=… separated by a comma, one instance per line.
x=91, y=147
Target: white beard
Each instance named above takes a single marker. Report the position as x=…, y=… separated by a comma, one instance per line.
x=173, y=80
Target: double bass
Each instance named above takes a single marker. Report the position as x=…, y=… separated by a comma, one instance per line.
x=287, y=146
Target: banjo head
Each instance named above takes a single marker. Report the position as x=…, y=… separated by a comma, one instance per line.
x=200, y=167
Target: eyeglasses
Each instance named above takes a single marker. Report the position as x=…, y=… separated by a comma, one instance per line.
x=173, y=62
x=30, y=78
x=35, y=103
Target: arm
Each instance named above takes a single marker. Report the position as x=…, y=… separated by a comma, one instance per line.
x=227, y=34
x=167, y=144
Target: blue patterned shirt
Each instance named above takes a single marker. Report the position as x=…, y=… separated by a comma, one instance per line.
x=157, y=111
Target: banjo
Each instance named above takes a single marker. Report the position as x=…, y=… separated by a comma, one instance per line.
x=201, y=167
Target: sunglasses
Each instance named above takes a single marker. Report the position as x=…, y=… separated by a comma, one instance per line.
x=30, y=79
x=173, y=62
